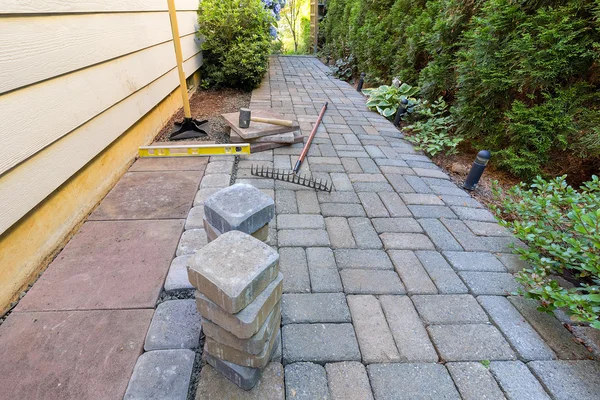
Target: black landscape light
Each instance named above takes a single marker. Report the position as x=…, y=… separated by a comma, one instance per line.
x=361, y=82
x=401, y=111
x=481, y=161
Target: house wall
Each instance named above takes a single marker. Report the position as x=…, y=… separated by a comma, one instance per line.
x=82, y=86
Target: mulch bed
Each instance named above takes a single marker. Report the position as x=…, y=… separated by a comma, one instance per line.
x=210, y=104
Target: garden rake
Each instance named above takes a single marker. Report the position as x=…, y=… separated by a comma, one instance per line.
x=292, y=176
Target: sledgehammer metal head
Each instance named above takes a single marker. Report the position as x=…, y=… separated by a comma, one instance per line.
x=245, y=115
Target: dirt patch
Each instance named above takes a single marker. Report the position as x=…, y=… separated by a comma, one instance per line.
x=210, y=104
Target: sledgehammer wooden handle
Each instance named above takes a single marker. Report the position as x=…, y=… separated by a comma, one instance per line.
x=273, y=121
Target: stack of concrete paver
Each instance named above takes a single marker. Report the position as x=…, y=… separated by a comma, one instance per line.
x=240, y=207
x=238, y=284
x=238, y=295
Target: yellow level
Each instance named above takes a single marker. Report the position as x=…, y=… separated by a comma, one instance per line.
x=183, y=150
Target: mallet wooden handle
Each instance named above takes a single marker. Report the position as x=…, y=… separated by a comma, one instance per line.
x=273, y=121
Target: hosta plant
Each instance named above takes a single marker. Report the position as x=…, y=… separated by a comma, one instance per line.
x=386, y=99
x=432, y=130
x=560, y=225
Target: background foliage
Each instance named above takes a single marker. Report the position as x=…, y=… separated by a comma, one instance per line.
x=237, y=42
x=521, y=77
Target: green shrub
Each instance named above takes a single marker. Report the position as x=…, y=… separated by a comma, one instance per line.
x=432, y=131
x=236, y=43
x=522, y=77
x=560, y=225
x=386, y=99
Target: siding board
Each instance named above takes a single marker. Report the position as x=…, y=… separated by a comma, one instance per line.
x=24, y=186
x=38, y=48
x=90, y=6
x=85, y=93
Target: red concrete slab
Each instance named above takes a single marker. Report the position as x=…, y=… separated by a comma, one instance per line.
x=108, y=265
x=70, y=354
x=169, y=164
x=150, y=195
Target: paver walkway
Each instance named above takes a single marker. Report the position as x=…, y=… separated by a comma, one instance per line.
x=78, y=332
x=397, y=283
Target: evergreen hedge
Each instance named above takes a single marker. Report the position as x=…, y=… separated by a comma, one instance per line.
x=522, y=76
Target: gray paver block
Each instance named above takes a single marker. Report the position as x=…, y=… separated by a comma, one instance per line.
x=306, y=381
x=293, y=265
x=464, y=200
x=233, y=269
x=194, y=218
x=419, y=211
x=373, y=205
x=372, y=187
x=567, y=380
x=224, y=352
x=394, y=204
x=474, y=214
x=191, y=241
x=300, y=221
x=348, y=381
x=407, y=328
x=481, y=228
x=400, y=183
x=212, y=385
x=255, y=344
x=303, y=238
x=338, y=197
x=512, y=262
x=440, y=236
x=340, y=181
x=362, y=259
x=368, y=166
x=204, y=194
x=396, y=225
x=474, y=261
x=339, y=233
x=212, y=233
x=527, y=342
x=243, y=377
x=406, y=241
x=215, y=181
x=422, y=199
x=474, y=381
x=239, y=207
x=417, y=184
x=219, y=167
x=450, y=309
x=492, y=283
x=161, y=374
x=374, y=336
x=319, y=343
x=413, y=275
x=324, y=276
x=177, y=277
x=342, y=210
x=364, y=234
x=176, y=325
x=285, y=201
x=308, y=202
x=517, y=381
x=411, y=382
x=550, y=329
x=314, y=307
x=470, y=343
x=248, y=321
x=361, y=281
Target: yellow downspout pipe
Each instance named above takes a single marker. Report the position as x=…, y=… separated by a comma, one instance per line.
x=179, y=57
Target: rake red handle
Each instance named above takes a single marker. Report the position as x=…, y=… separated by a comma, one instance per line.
x=310, y=139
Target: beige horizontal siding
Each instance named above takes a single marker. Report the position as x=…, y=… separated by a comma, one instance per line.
x=71, y=84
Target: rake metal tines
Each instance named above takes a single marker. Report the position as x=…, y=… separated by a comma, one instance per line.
x=289, y=176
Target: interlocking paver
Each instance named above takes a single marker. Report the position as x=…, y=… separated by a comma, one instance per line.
x=362, y=259
x=373, y=205
x=520, y=334
x=342, y=210
x=294, y=267
x=323, y=271
x=450, y=309
x=470, y=343
x=406, y=241
x=396, y=225
x=306, y=381
x=439, y=235
x=493, y=283
x=314, y=308
x=373, y=333
x=394, y=204
x=567, y=380
x=348, y=381
x=339, y=233
x=431, y=211
x=411, y=382
x=177, y=277
x=307, y=202
x=175, y=325
x=361, y=281
x=517, y=381
x=303, y=237
x=285, y=202
x=413, y=275
x=364, y=234
x=474, y=381
x=319, y=343
x=300, y=221
x=191, y=241
x=474, y=261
